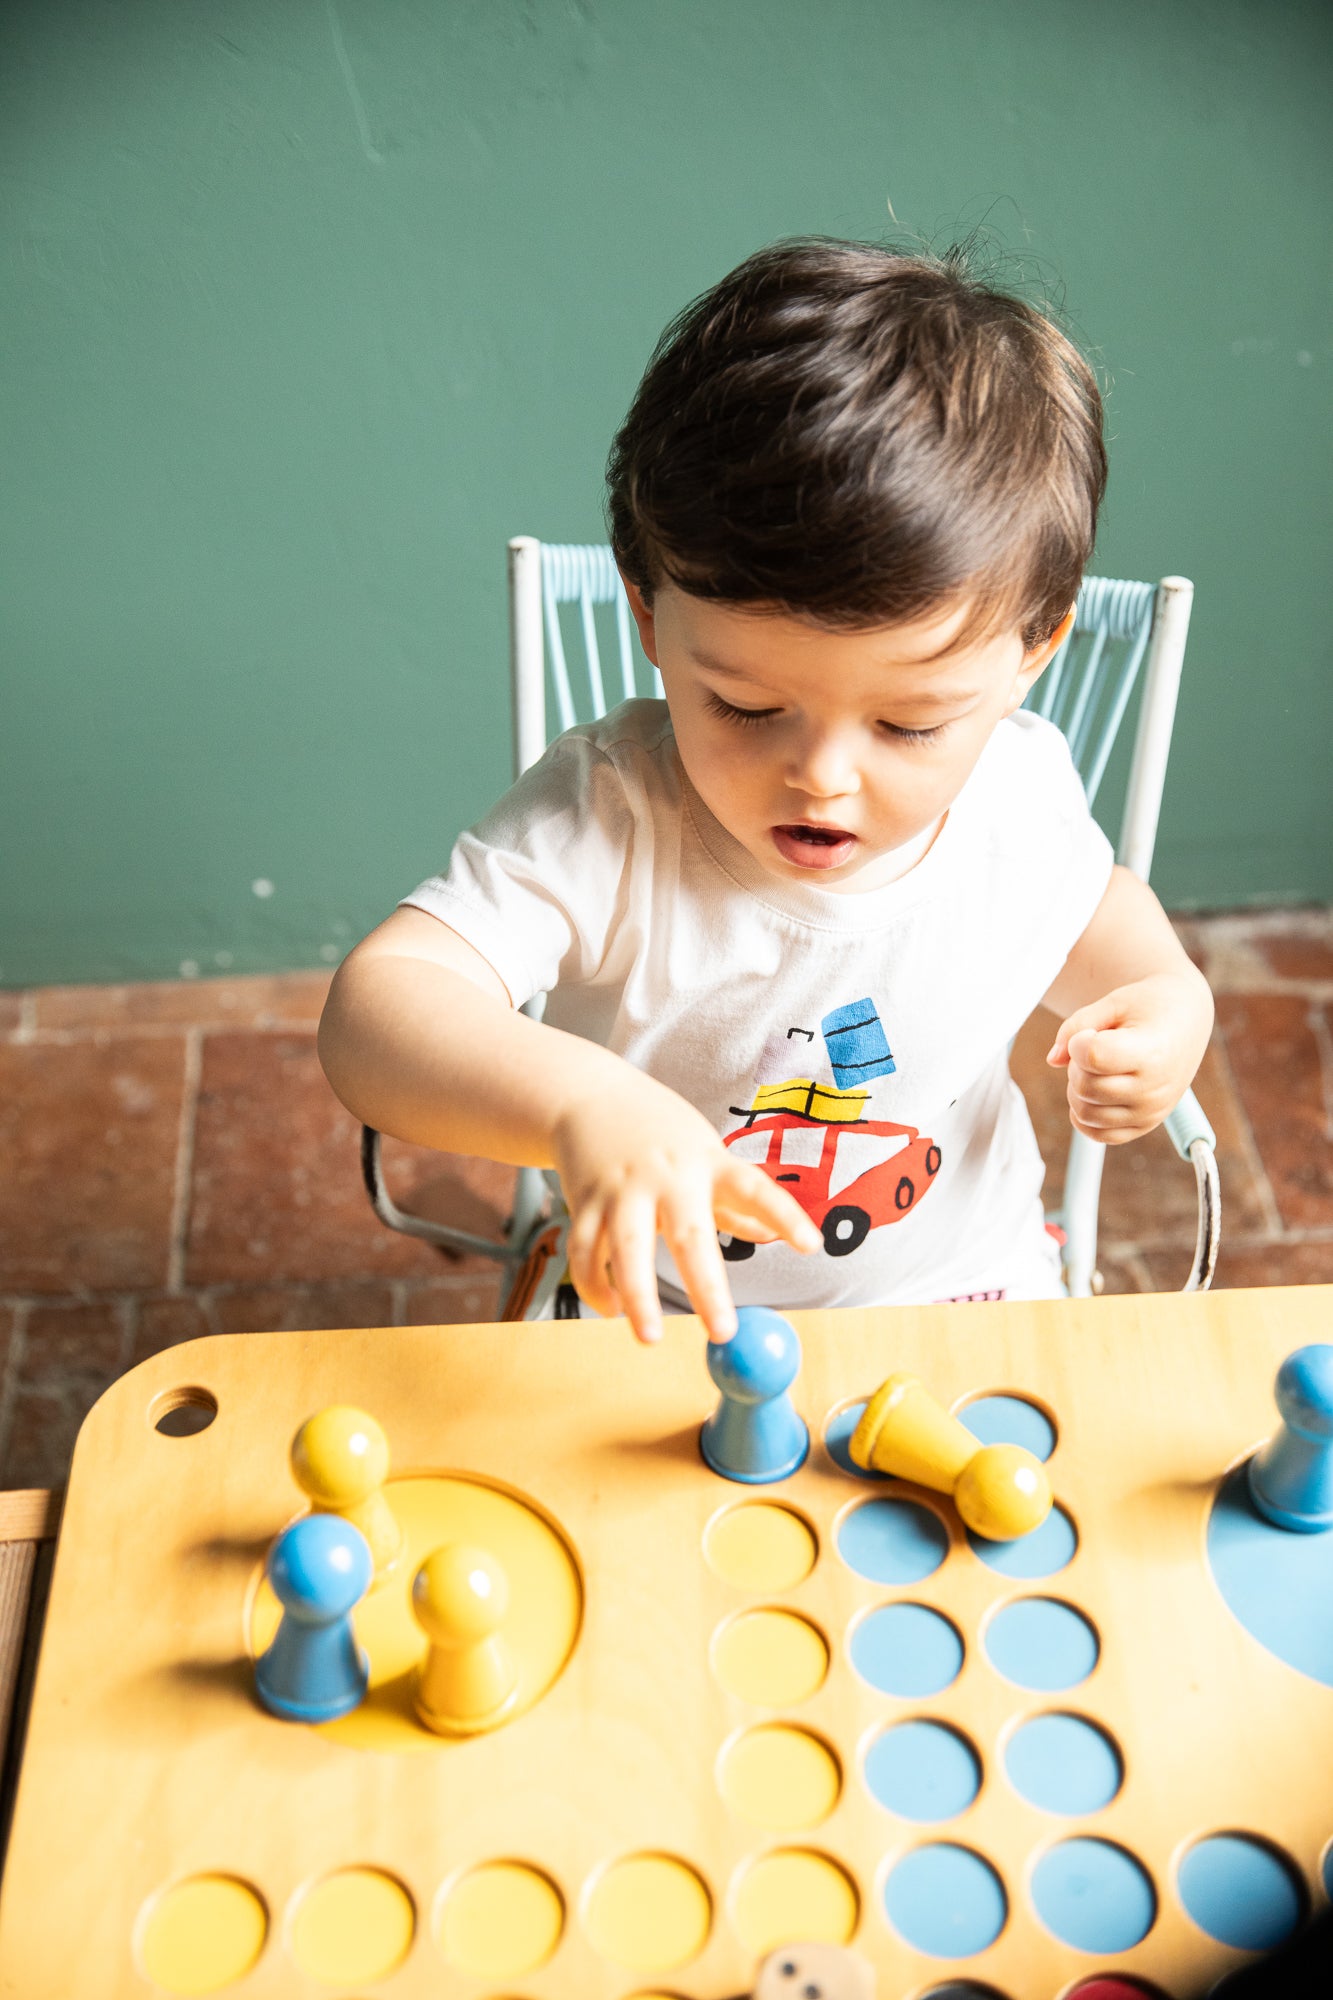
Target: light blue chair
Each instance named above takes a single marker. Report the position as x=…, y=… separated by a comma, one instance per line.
x=573, y=655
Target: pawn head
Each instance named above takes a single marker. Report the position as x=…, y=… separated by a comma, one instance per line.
x=319, y=1568
x=1003, y=1492
x=460, y=1595
x=1305, y=1390
x=761, y=1360
x=340, y=1456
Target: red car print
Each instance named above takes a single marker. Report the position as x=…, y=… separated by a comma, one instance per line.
x=886, y=1192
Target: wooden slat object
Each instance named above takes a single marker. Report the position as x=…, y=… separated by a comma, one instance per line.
x=29, y=1516
x=148, y=1760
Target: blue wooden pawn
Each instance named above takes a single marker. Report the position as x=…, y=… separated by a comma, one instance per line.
x=1291, y=1477
x=754, y=1434
x=314, y=1670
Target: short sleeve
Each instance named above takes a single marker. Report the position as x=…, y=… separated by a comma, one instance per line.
x=1042, y=823
x=535, y=886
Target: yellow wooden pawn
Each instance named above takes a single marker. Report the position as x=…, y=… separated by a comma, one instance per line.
x=340, y=1459
x=468, y=1681
x=1000, y=1490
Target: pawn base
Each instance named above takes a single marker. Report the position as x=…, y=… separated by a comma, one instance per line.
x=288, y=1708
x=1282, y=1517
x=766, y=1475
x=473, y=1725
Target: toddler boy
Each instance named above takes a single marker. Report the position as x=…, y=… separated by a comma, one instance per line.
x=789, y=920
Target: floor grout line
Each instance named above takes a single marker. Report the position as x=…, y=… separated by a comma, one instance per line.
x=181, y=1188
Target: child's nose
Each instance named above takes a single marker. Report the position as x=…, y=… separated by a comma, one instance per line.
x=824, y=767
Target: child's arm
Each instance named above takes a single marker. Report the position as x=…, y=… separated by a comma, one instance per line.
x=1136, y=1016
x=419, y=1038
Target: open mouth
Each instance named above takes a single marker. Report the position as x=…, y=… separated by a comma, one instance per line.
x=809, y=846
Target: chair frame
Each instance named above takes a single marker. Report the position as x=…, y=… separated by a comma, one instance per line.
x=1155, y=619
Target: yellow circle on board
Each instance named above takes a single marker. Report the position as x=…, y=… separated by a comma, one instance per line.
x=355, y=1925
x=501, y=1919
x=649, y=1913
x=794, y=1896
x=761, y=1546
x=541, y=1627
x=780, y=1778
x=770, y=1658
x=203, y=1934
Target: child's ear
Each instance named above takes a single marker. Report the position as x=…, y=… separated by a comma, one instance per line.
x=1036, y=661
x=643, y=618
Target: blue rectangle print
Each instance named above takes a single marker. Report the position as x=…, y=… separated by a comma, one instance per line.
x=857, y=1045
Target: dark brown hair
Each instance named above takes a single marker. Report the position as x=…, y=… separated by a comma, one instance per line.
x=860, y=437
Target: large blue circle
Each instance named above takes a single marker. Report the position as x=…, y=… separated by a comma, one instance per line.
x=1064, y=1764
x=1010, y=1420
x=1040, y=1643
x=893, y=1541
x=907, y=1649
x=923, y=1771
x=1042, y=1553
x=1094, y=1895
x=1240, y=1892
x=946, y=1900
x=1277, y=1583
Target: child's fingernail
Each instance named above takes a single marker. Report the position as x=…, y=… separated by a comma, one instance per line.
x=1052, y=1051
x=724, y=1330
x=650, y=1333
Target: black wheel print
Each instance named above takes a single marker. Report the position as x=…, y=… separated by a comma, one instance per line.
x=845, y=1230
x=735, y=1249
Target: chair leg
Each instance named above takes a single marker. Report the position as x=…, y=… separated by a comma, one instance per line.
x=1083, y=1180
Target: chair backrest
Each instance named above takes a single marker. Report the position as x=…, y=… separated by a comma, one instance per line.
x=557, y=590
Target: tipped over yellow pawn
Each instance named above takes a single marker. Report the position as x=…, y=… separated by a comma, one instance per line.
x=340, y=1460
x=1000, y=1490
x=468, y=1681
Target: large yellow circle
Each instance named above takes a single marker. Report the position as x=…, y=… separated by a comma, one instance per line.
x=502, y=1919
x=649, y=1913
x=203, y=1934
x=355, y=1925
x=771, y=1658
x=541, y=1627
x=780, y=1778
x=761, y=1546
x=794, y=1896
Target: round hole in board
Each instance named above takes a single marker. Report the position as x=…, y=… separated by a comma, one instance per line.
x=183, y=1412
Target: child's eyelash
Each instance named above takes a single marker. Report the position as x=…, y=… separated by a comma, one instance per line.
x=744, y=716
x=914, y=735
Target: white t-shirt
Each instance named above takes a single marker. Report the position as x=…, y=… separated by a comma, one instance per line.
x=854, y=1044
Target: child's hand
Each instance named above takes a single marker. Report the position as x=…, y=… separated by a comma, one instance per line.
x=642, y=1162
x=1132, y=1055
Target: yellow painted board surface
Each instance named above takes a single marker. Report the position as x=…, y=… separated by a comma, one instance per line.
x=149, y=1765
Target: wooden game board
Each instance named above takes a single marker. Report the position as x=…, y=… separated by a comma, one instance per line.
x=148, y=1762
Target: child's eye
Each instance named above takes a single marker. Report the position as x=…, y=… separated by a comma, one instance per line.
x=730, y=713
x=901, y=735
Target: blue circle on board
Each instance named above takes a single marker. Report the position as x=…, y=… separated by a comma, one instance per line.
x=946, y=1900
x=893, y=1541
x=1279, y=1584
x=1094, y=1895
x=1010, y=1420
x=1240, y=1892
x=838, y=1441
x=1040, y=1643
x=1042, y=1553
x=1064, y=1764
x=907, y=1649
x=923, y=1771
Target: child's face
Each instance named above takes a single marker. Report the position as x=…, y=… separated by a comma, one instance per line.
x=822, y=752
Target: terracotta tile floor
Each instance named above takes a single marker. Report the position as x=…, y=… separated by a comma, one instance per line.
x=176, y=1164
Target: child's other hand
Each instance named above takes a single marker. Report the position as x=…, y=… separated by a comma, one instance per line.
x=641, y=1163
x=1132, y=1055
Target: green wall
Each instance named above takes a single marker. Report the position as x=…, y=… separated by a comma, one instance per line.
x=309, y=304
